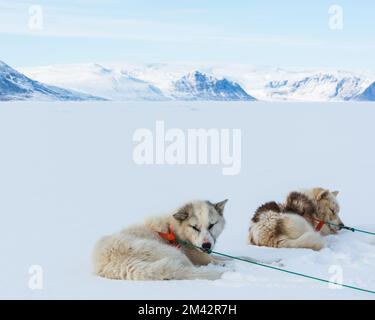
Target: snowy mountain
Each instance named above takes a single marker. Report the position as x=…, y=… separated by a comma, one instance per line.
x=109, y=82
x=123, y=81
x=199, y=86
x=16, y=86
x=292, y=84
x=317, y=87
x=368, y=94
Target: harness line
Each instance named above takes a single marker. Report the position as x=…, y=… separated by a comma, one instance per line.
x=349, y=228
x=175, y=241
x=190, y=245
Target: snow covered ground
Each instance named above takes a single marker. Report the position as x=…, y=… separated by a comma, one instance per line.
x=67, y=177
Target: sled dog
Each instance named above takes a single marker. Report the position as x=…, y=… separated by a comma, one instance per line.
x=150, y=251
x=298, y=222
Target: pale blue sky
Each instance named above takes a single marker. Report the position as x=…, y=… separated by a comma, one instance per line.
x=265, y=32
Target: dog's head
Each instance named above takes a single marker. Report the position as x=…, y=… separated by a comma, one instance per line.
x=328, y=209
x=200, y=223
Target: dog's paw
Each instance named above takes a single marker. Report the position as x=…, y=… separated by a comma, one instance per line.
x=219, y=263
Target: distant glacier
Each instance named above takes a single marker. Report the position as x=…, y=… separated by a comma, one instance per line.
x=161, y=82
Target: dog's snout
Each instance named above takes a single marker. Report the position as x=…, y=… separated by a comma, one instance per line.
x=206, y=245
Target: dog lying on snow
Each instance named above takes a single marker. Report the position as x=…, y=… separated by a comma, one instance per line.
x=148, y=252
x=297, y=223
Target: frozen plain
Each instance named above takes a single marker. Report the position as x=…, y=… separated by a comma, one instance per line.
x=67, y=177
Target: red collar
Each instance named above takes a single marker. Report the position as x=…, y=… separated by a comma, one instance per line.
x=320, y=224
x=170, y=237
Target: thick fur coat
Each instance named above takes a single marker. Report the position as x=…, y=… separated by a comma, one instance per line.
x=292, y=224
x=140, y=253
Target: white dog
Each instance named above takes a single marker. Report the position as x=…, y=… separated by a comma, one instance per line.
x=150, y=251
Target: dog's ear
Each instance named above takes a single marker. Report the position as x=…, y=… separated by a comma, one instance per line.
x=335, y=193
x=219, y=207
x=183, y=213
x=320, y=193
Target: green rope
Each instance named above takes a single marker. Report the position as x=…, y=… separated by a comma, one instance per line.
x=192, y=246
x=349, y=228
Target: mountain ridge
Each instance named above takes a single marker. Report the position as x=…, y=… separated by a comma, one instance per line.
x=199, y=86
x=368, y=94
x=16, y=86
x=161, y=81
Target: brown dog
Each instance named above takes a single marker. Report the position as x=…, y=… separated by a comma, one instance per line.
x=297, y=223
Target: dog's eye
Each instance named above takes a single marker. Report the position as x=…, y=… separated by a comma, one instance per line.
x=211, y=226
x=195, y=228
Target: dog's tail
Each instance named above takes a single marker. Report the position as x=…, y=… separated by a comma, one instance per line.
x=266, y=207
x=299, y=203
